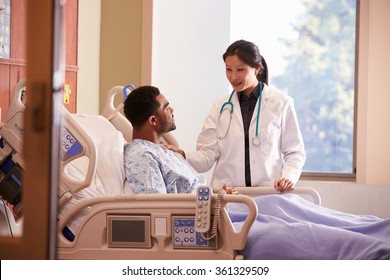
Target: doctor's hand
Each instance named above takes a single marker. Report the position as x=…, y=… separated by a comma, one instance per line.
x=175, y=149
x=229, y=190
x=283, y=185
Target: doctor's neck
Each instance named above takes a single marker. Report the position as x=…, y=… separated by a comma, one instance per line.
x=250, y=89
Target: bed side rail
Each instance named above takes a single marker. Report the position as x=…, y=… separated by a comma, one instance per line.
x=88, y=236
x=306, y=192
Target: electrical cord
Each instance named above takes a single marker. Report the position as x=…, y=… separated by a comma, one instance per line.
x=218, y=207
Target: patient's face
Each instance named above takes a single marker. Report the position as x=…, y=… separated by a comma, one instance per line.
x=165, y=118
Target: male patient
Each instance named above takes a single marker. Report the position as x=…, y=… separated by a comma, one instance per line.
x=149, y=166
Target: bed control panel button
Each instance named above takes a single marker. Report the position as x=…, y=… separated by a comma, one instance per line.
x=185, y=236
x=203, y=208
x=70, y=146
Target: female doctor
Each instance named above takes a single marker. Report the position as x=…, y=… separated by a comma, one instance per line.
x=252, y=136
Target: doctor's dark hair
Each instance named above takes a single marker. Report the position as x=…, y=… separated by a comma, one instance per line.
x=140, y=104
x=249, y=53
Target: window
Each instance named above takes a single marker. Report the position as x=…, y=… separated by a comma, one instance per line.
x=309, y=46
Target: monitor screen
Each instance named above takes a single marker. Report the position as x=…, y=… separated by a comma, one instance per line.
x=128, y=231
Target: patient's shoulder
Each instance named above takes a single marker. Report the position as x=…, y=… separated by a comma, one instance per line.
x=141, y=149
x=140, y=145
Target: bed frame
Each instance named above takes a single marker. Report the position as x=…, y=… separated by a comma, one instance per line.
x=93, y=237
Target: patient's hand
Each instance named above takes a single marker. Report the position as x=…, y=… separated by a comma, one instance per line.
x=283, y=185
x=175, y=149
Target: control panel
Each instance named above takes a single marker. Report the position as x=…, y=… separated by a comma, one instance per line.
x=70, y=146
x=203, y=208
x=184, y=234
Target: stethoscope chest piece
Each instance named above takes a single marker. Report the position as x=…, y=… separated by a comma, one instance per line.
x=256, y=141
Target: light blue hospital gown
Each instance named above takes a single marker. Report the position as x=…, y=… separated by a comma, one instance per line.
x=152, y=168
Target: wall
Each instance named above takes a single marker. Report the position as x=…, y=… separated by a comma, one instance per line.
x=109, y=53
x=360, y=199
x=189, y=38
x=373, y=114
x=88, y=56
x=121, y=41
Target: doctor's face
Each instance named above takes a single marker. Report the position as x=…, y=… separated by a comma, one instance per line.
x=164, y=118
x=241, y=76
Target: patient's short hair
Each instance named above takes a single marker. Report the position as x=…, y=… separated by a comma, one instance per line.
x=140, y=104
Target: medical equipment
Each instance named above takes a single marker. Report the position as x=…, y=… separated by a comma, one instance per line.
x=154, y=226
x=203, y=212
x=164, y=228
x=203, y=208
x=116, y=226
x=109, y=225
x=225, y=106
x=151, y=228
x=11, y=160
x=12, y=163
x=74, y=145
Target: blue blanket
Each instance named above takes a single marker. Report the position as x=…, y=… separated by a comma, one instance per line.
x=290, y=227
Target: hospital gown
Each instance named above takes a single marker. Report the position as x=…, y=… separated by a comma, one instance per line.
x=152, y=168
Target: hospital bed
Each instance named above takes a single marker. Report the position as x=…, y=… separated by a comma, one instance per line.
x=159, y=226
x=108, y=222
x=119, y=225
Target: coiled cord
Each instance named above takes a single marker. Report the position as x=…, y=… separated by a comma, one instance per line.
x=218, y=207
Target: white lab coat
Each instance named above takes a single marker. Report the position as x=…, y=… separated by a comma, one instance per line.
x=281, y=151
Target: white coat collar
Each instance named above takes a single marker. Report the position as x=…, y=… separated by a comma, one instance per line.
x=267, y=93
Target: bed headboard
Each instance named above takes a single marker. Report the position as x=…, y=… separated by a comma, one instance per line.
x=115, y=116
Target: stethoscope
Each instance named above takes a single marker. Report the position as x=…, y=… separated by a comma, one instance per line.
x=225, y=106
